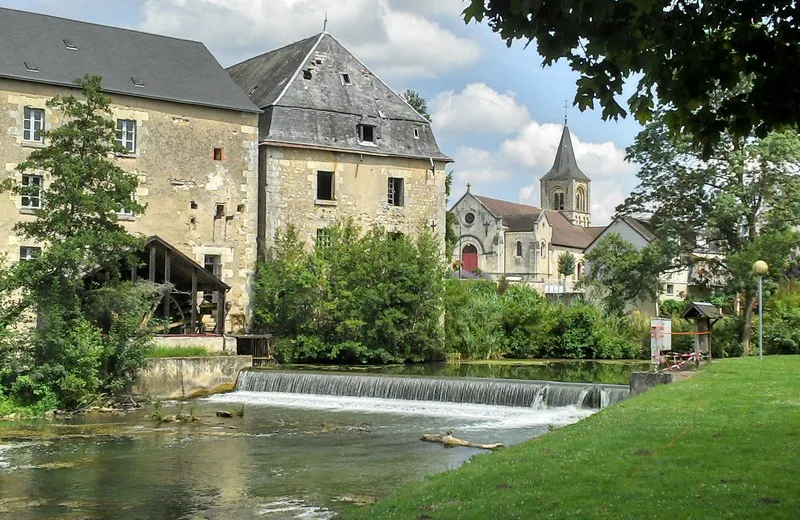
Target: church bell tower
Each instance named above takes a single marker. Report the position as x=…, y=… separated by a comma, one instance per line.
x=565, y=188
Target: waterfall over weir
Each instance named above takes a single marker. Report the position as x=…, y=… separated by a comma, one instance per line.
x=503, y=392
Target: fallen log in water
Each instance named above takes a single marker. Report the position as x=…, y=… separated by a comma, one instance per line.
x=449, y=441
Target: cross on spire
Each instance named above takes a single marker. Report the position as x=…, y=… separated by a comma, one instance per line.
x=566, y=107
x=325, y=23
x=468, y=187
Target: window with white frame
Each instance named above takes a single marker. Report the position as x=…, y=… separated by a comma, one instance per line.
x=31, y=191
x=126, y=211
x=29, y=252
x=366, y=133
x=33, y=125
x=126, y=134
x=670, y=289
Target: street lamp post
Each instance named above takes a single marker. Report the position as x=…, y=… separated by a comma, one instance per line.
x=760, y=268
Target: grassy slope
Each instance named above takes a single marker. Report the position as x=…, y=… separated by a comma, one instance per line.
x=724, y=444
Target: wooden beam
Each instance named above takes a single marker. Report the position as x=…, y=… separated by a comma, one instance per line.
x=167, y=276
x=152, y=264
x=193, y=320
x=220, y=312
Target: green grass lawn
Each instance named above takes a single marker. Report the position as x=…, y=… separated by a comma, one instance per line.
x=723, y=444
x=187, y=351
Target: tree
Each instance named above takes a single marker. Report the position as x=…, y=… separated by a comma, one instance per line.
x=566, y=264
x=417, y=102
x=681, y=53
x=620, y=274
x=83, y=192
x=727, y=212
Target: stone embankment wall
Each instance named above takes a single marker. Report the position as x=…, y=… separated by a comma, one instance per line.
x=174, y=378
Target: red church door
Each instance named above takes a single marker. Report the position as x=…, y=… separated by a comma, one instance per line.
x=469, y=258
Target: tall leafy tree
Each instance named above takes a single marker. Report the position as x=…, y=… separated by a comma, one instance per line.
x=417, y=102
x=620, y=274
x=679, y=53
x=741, y=205
x=566, y=264
x=82, y=194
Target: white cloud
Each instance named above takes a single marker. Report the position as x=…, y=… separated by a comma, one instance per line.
x=477, y=109
x=514, y=166
x=393, y=37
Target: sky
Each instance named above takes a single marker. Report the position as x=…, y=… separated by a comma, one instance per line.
x=495, y=110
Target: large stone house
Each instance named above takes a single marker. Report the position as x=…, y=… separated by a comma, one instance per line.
x=190, y=132
x=523, y=242
x=335, y=142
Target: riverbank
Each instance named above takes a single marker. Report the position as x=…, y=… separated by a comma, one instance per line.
x=723, y=444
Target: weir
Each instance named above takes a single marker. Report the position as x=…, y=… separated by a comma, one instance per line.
x=502, y=392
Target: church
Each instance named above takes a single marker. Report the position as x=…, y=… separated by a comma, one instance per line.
x=499, y=238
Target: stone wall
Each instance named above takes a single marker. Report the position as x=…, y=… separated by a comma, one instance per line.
x=180, y=181
x=289, y=181
x=174, y=378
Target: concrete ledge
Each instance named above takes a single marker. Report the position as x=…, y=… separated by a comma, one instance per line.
x=212, y=343
x=643, y=381
x=174, y=378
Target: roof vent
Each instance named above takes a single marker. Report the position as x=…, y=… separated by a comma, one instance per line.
x=137, y=82
x=252, y=90
x=345, y=78
x=31, y=66
x=69, y=44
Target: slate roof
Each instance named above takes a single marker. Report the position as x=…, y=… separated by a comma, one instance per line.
x=307, y=103
x=171, y=69
x=522, y=217
x=565, y=165
x=702, y=310
x=641, y=226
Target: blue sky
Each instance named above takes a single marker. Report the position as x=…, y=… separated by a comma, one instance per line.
x=495, y=110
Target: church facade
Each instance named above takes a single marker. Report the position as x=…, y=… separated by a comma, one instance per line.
x=523, y=243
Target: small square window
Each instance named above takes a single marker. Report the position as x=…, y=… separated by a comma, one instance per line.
x=126, y=135
x=218, y=154
x=325, y=185
x=126, y=212
x=29, y=252
x=670, y=289
x=31, y=191
x=33, y=125
x=345, y=79
x=324, y=239
x=395, y=192
x=192, y=205
x=366, y=133
x=220, y=211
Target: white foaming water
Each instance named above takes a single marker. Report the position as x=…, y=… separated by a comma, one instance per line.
x=483, y=416
x=295, y=509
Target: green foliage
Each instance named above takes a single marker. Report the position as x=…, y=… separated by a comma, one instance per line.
x=417, y=102
x=87, y=339
x=691, y=56
x=782, y=322
x=566, y=264
x=161, y=351
x=363, y=298
x=621, y=274
x=671, y=308
x=480, y=323
x=744, y=203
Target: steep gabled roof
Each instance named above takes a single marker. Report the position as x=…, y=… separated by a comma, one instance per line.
x=641, y=226
x=503, y=208
x=565, y=166
x=36, y=47
x=567, y=234
x=265, y=77
x=308, y=102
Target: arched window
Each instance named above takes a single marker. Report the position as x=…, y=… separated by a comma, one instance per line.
x=543, y=248
x=519, y=248
x=558, y=200
x=580, y=199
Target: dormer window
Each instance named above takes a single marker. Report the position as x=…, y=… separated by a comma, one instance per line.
x=416, y=133
x=345, y=78
x=366, y=134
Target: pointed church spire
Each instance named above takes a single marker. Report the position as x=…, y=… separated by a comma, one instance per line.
x=565, y=166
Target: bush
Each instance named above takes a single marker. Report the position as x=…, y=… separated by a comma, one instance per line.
x=360, y=299
x=782, y=321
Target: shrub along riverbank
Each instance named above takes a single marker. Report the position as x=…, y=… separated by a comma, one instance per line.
x=723, y=444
